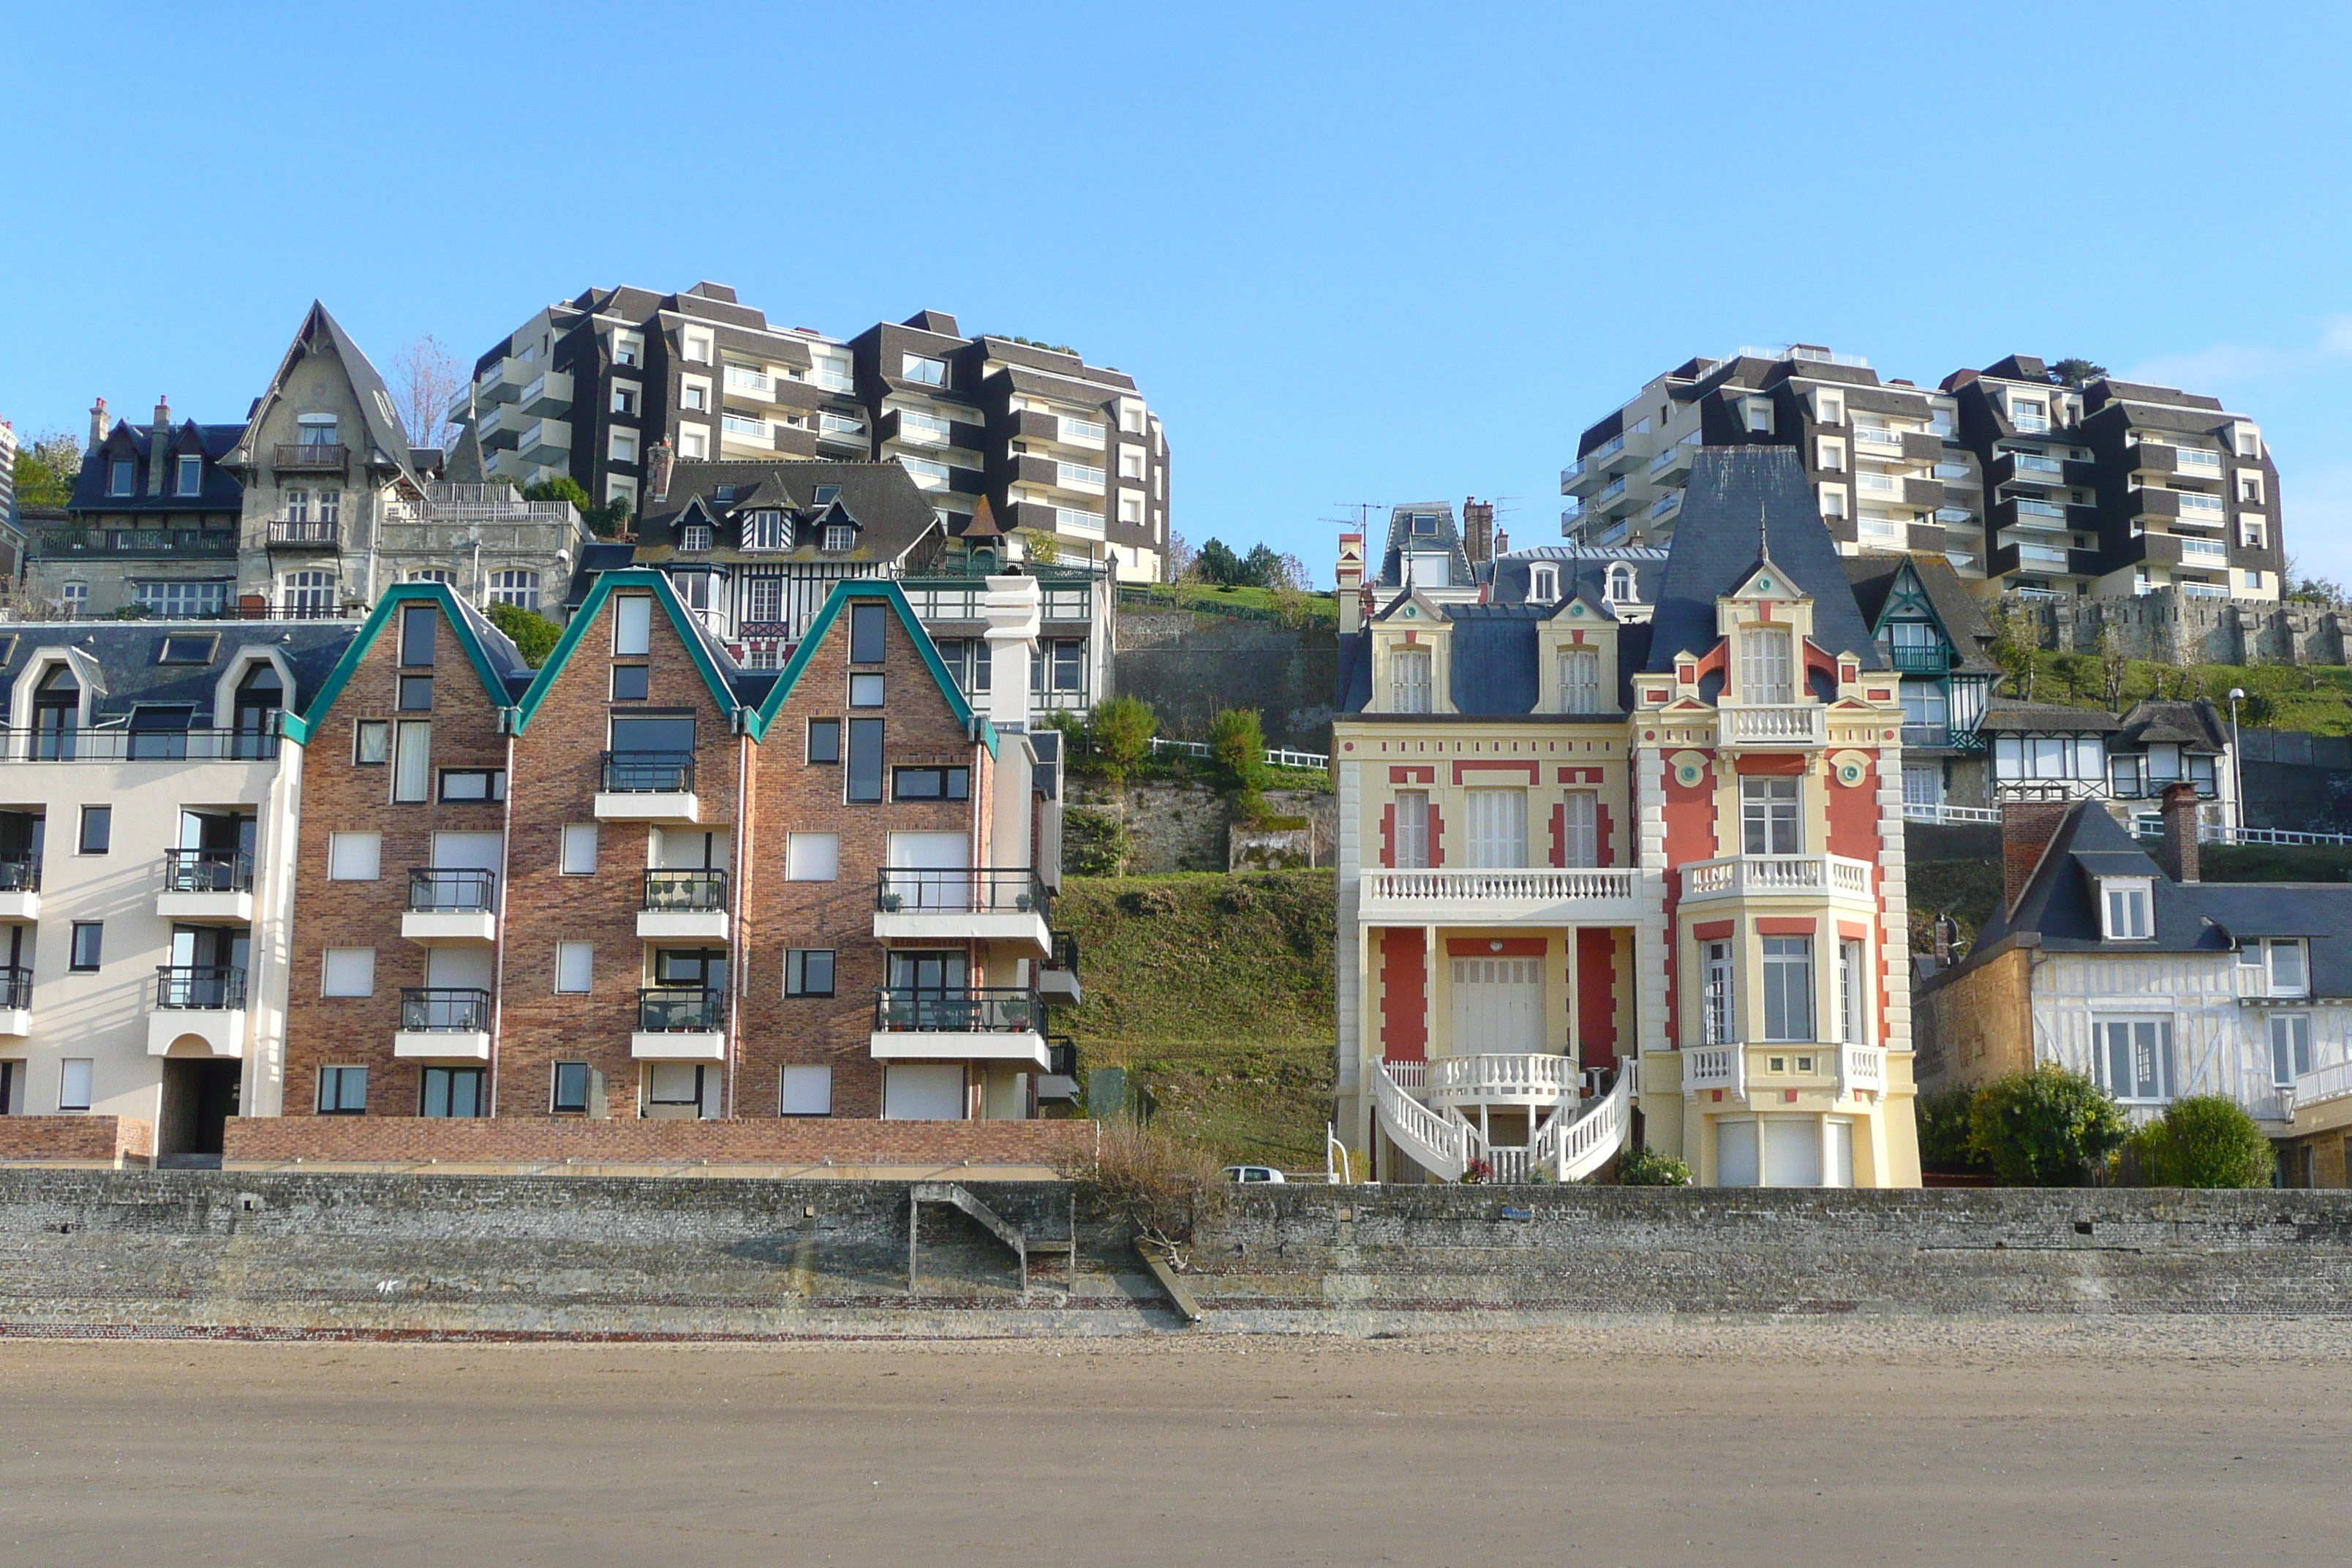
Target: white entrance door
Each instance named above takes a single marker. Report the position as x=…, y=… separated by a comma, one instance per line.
x=1498, y=1007
x=925, y=858
x=1498, y=827
x=923, y=1091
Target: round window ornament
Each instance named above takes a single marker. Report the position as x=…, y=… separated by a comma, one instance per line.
x=1763, y=584
x=1851, y=772
x=1575, y=609
x=1493, y=947
x=1688, y=775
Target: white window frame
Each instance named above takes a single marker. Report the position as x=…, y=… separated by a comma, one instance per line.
x=699, y=347
x=1789, y=984
x=2127, y=908
x=188, y=474
x=576, y=850
x=354, y=856
x=1543, y=585
x=575, y=968
x=2292, y=978
x=1768, y=666
x=1579, y=679
x=1495, y=827
x=2105, y=1040
x=1772, y=815
x=1854, y=990
x=1718, y=995
x=1411, y=674
x=1411, y=846
x=812, y=858
x=347, y=971
x=622, y=447
x=910, y=366
x=633, y=624
x=1580, y=820
x=629, y=349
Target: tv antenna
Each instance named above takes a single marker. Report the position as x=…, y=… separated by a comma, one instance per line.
x=1363, y=509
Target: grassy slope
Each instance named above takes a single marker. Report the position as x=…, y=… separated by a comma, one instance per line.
x=2316, y=698
x=1319, y=605
x=1971, y=888
x=1215, y=991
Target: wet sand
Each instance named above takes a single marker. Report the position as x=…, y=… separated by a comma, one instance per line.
x=2143, y=1440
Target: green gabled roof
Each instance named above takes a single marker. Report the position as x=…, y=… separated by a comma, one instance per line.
x=688, y=632
x=842, y=593
x=298, y=727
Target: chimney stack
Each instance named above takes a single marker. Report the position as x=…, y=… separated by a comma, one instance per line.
x=2180, y=832
x=1349, y=577
x=159, y=450
x=2026, y=829
x=658, y=463
x=98, y=425
x=1478, y=529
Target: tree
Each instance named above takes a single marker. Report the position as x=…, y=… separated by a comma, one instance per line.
x=1645, y=1167
x=533, y=635
x=2074, y=372
x=1218, y=564
x=1944, y=1137
x=603, y=522
x=2115, y=664
x=2205, y=1140
x=45, y=470
x=1182, y=557
x=1044, y=548
x=1120, y=731
x=2016, y=639
x=426, y=379
x=1261, y=568
x=1237, y=755
x=2044, y=1127
x=2298, y=588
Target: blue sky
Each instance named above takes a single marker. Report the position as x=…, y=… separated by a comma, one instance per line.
x=1352, y=253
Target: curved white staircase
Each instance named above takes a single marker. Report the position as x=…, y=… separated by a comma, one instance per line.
x=1443, y=1142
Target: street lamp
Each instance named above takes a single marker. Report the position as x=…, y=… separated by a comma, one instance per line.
x=2237, y=768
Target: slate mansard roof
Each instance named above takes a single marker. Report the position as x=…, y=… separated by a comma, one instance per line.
x=220, y=490
x=133, y=673
x=890, y=511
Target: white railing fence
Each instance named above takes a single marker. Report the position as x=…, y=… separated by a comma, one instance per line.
x=1535, y=886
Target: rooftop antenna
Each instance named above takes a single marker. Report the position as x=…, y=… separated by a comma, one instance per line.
x=1363, y=509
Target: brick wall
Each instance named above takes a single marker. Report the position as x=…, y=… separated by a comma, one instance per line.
x=794, y=795
x=87, y=1138
x=338, y=796
x=751, y=1140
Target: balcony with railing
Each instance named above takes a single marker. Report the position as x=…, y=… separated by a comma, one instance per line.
x=1498, y=896
x=959, y=1023
x=1084, y=432
x=453, y=905
x=67, y=543
x=309, y=458
x=647, y=786
x=1057, y=976
x=303, y=533
x=20, y=886
x=680, y=1024
x=1773, y=726
x=1784, y=1068
x=750, y=382
x=1920, y=659
x=119, y=745
x=16, y=1002
x=1083, y=477
x=684, y=902
x=746, y=431
x=212, y=887
x=199, y=1011
x=995, y=904
x=443, y=1023
x=1777, y=877
x=548, y=393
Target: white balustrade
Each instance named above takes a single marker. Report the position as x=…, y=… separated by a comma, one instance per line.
x=1861, y=1067
x=1406, y=1075
x=1575, y=1147
x=1437, y=1142
x=1737, y=876
x=2331, y=1082
x=1774, y=724
x=1715, y=1066
x=1514, y=1076
x=1540, y=885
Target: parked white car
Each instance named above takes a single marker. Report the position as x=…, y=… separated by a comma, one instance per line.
x=1253, y=1173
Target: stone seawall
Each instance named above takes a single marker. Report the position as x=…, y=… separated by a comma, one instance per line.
x=283, y=1254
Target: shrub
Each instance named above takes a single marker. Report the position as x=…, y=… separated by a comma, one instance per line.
x=1094, y=842
x=1237, y=756
x=1159, y=1185
x=1944, y=1135
x=1119, y=731
x=2204, y=1140
x=1648, y=1168
x=533, y=635
x=2044, y=1127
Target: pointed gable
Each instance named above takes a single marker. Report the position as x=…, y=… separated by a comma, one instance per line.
x=493, y=658
x=835, y=608
x=717, y=669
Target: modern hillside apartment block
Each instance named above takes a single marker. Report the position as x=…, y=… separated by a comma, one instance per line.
x=309, y=509
x=591, y=388
x=1621, y=831
x=645, y=882
x=146, y=869
x=2098, y=487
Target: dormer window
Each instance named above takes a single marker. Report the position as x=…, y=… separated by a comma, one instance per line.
x=767, y=531
x=1543, y=585
x=122, y=478
x=839, y=538
x=826, y=495
x=2126, y=912
x=1425, y=524
x=693, y=538
x=1409, y=679
x=1621, y=589
x=191, y=475
x=924, y=370
x=2279, y=967
x=1766, y=673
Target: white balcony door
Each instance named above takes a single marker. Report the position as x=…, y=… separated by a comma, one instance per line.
x=1498, y=827
x=932, y=852
x=927, y=1091
x=1498, y=1005
x=1765, y=672
x=1580, y=828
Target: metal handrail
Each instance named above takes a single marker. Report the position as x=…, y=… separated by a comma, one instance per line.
x=681, y=1009
x=300, y=531
x=1062, y=1056
x=982, y=889
x=1065, y=952
x=310, y=455
x=686, y=889
x=207, y=871
x=116, y=745
x=456, y=1009
x=199, y=986
x=957, y=1009
x=648, y=773
x=20, y=874
x=450, y=890
x=16, y=987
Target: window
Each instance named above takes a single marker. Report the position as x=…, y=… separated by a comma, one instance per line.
x=1060, y=666
x=575, y=967
x=187, y=650
x=812, y=858
x=122, y=478
x=1833, y=409
x=1621, y=589
x=331, y=507
x=808, y=971
x=74, y=596
x=416, y=694
x=97, y=830
x=865, y=761
x=866, y=639
x=515, y=586
x=412, y=770
x=1131, y=418
x=1768, y=815
x=628, y=349
x=2123, y=903
x=454, y=1091
x=191, y=474
x=182, y=601
x=304, y=594
x=625, y=402
x=343, y=1091
x=767, y=531
x=318, y=429
x=922, y=369
x=695, y=538
x=1580, y=680
x=370, y=742
x=568, y=1095
x=2288, y=974
x=349, y=971
x=764, y=599
x=354, y=856
x=865, y=692
x=88, y=942
x=1830, y=457
x=839, y=538
x=693, y=443
x=473, y=784
x=631, y=682
x=623, y=447
x=1131, y=509
x=1543, y=585
x=1409, y=680
x=698, y=348
x=1926, y=707
x=1923, y=786
x=2135, y=1057
x=807, y=1091
x=2290, y=1047
x=1412, y=828
x=433, y=574
x=1580, y=828
x=1788, y=988
x=930, y=783
x=933, y=475
x=1853, y=992
x=1498, y=827
x=1715, y=1011
x=73, y=1084
x=1766, y=674
x=632, y=622
x=825, y=741
x=1130, y=462
x=1759, y=419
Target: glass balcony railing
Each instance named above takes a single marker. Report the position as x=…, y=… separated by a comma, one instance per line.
x=450, y=890
x=680, y=1010
x=443, y=1009
x=957, y=1009
x=200, y=988
x=687, y=891
x=648, y=773
x=207, y=871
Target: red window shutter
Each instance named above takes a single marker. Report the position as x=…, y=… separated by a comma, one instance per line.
x=1388, y=835
x=1436, y=836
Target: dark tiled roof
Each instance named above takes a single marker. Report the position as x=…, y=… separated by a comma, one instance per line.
x=1873, y=577
x=1447, y=537
x=1493, y=659
x=128, y=654
x=892, y=512
x=1583, y=572
x=220, y=491
x=1733, y=493
x=2047, y=717
x=2196, y=725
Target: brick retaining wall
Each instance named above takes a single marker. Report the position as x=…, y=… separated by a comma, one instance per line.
x=360, y=1139
x=107, y=1140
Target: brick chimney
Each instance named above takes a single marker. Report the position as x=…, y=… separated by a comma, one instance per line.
x=1478, y=529
x=98, y=425
x=658, y=463
x=159, y=450
x=2026, y=826
x=1349, y=577
x=2180, y=832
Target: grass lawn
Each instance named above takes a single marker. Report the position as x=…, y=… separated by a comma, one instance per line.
x=2316, y=699
x=1317, y=606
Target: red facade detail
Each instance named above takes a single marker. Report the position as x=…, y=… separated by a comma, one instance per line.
x=1404, y=988
x=1596, y=996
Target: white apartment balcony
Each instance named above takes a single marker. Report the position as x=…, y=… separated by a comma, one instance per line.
x=742, y=381
x=1777, y=877
x=683, y=905
x=203, y=1005
x=451, y=906
x=744, y=431
x=648, y=786
x=2030, y=424
x=17, y=1002
x=206, y=887
x=1777, y=1066
x=1878, y=440
x=546, y=443
x=503, y=383
x=445, y=1024
x=1674, y=462
x=498, y=428
x=679, y=1024
x=959, y=1023
x=1083, y=433
x=1083, y=478
x=2201, y=590
x=2210, y=552
x=1498, y=896
x=1773, y=726
x=549, y=393
x=1005, y=905
x=2040, y=555
x=2032, y=514
x=20, y=888
x=841, y=430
